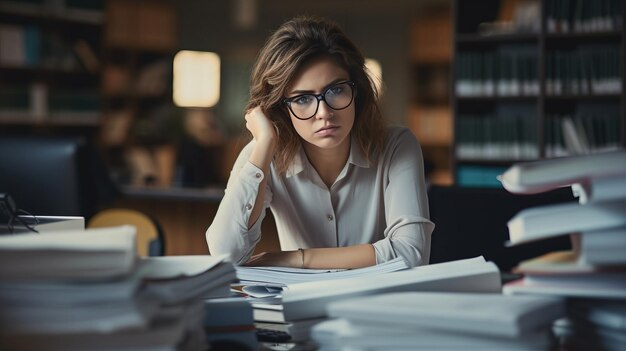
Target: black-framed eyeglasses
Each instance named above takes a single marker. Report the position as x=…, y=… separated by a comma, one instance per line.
x=337, y=96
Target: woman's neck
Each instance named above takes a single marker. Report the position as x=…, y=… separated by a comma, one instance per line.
x=328, y=162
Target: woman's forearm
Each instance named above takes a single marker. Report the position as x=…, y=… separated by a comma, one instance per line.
x=261, y=157
x=320, y=258
x=349, y=257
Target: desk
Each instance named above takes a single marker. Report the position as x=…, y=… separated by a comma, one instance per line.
x=185, y=214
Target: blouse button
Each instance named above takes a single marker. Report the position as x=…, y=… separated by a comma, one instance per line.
x=329, y=217
x=258, y=175
x=248, y=207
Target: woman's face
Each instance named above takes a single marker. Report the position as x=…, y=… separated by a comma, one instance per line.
x=328, y=129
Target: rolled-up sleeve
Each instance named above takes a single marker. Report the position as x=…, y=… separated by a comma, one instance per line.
x=229, y=233
x=408, y=231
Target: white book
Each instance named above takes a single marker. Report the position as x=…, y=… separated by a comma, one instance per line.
x=341, y=333
x=288, y=275
x=554, y=220
x=92, y=254
x=164, y=334
x=539, y=176
x=176, y=279
x=594, y=288
x=603, y=247
x=66, y=294
x=483, y=314
x=309, y=300
x=600, y=188
x=103, y=317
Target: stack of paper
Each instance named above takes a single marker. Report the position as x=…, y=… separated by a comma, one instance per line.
x=265, y=286
x=87, y=289
x=596, y=267
x=442, y=321
x=304, y=305
x=278, y=276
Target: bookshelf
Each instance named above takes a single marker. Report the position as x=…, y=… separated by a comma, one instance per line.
x=535, y=79
x=49, y=66
x=430, y=113
x=140, y=124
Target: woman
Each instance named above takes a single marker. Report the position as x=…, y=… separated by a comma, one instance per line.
x=345, y=191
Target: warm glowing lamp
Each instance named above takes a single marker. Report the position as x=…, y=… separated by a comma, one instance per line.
x=196, y=79
x=375, y=71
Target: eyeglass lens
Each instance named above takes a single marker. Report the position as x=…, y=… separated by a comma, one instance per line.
x=337, y=97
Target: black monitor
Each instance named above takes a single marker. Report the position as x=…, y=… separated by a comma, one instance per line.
x=49, y=176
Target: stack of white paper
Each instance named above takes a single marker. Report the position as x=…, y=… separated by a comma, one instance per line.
x=287, y=275
x=442, y=321
x=309, y=300
x=87, y=289
x=266, y=285
x=596, y=267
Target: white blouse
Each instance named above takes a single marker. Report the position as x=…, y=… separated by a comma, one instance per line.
x=383, y=204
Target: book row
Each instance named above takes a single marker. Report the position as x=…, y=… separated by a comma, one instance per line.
x=494, y=137
x=37, y=100
x=511, y=71
x=32, y=46
x=564, y=16
x=591, y=69
x=566, y=135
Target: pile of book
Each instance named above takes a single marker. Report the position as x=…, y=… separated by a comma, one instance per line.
x=87, y=289
x=440, y=321
x=592, y=276
x=303, y=305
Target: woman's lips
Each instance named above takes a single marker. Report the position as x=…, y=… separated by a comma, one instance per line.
x=328, y=130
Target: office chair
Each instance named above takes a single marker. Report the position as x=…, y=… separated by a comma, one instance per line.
x=471, y=222
x=150, y=237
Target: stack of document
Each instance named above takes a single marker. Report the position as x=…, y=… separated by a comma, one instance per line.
x=305, y=304
x=77, y=290
x=442, y=321
x=265, y=286
x=594, y=271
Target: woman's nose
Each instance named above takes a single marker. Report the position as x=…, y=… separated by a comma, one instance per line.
x=324, y=111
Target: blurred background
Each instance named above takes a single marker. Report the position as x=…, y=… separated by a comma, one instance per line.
x=155, y=89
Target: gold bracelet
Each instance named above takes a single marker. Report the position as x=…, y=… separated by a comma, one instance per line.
x=302, y=252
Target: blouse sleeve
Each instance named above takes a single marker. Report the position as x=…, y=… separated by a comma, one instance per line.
x=229, y=233
x=408, y=229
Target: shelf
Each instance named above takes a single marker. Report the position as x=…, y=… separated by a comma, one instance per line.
x=497, y=39
x=604, y=35
x=21, y=73
x=86, y=120
x=43, y=13
x=567, y=97
x=573, y=64
x=497, y=98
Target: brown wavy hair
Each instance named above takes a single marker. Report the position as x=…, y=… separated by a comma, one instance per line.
x=293, y=44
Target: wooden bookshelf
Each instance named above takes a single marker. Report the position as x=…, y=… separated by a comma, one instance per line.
x=139, y=120
x=430, y=114
x=508, y=109
x=49, y=66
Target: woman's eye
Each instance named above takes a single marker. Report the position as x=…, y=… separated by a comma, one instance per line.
x=302, y=100
x=336, y=90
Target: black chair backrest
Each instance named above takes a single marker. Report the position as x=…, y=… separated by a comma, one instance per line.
x=471, y=222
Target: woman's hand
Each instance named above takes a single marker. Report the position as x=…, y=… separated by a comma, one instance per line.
x=260, y=126
x=279, y=258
